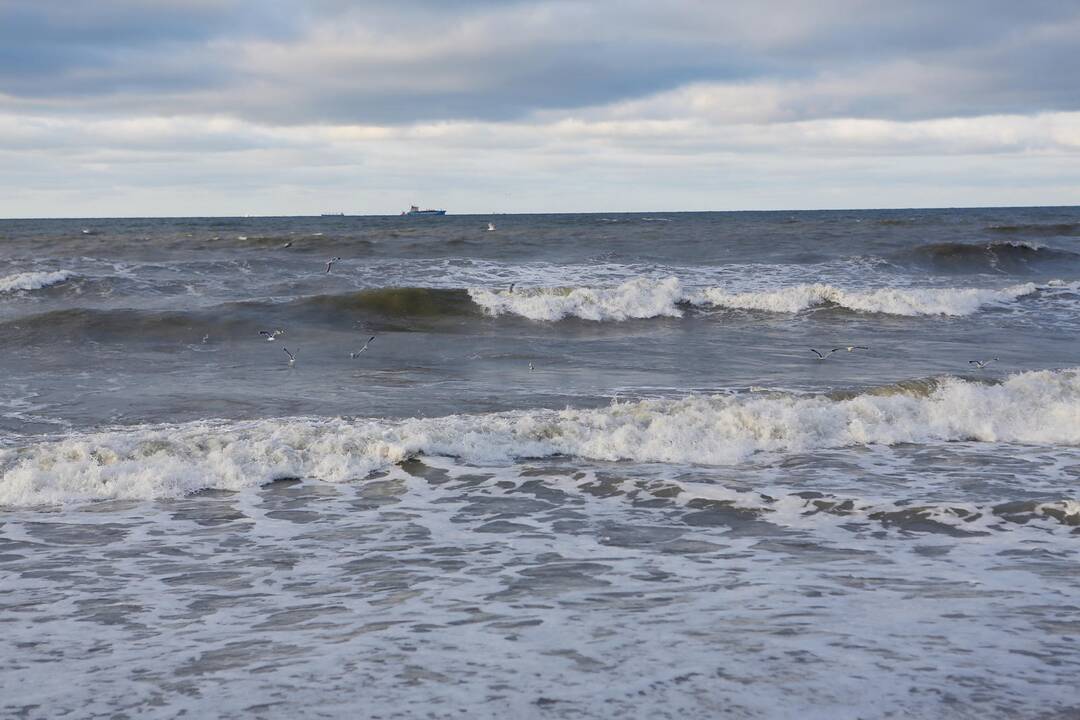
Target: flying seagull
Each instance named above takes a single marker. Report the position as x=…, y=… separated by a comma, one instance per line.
x=292, y=358
x=491, y=226
x=357, y=353
x=288, y=244
x=531, y=368
x=271, y=336
x=849, y=348
x=980, y=364
x=330, y=263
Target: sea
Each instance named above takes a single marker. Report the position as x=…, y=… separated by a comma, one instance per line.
x=649, y=465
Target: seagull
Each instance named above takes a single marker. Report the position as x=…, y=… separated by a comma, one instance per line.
x=491, y=226
x=288, y=244
x=849, y=348
x=205, y=338
x=292, y=358
x=531, y=368
x=980, y=364
x=357, y=353
x=330, y=263
x=271, y=336
x=86, y=231
x=511, y=290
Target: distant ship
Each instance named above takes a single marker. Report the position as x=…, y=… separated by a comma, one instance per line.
x=332, y=215
x=414, y=210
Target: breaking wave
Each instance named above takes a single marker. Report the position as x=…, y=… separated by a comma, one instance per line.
x=26, y=281
x=1041, y=408
x=644, y=298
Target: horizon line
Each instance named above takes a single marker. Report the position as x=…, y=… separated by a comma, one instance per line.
x=561, y=212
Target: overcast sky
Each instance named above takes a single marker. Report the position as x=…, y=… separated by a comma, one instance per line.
x=230, y=107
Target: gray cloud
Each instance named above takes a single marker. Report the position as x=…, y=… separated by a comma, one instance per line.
x=363, y=62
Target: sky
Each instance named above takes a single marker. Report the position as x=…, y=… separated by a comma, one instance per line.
x=120, y=108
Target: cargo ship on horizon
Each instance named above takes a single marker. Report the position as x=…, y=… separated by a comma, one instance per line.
x=415, y=210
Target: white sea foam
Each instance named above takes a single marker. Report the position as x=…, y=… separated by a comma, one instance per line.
x=637, y=298
x=172, y=460
x=889, y=301
x=646, y=298
x=33, y=280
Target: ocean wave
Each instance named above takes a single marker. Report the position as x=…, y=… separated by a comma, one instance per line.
x=34, y=280
x=646, y=298
x=1038, y=229
x=1007, y=256
x=394, y=302
x=1041, y=408
x=634, y=299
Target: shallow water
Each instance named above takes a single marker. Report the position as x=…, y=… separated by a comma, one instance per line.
x=678, y=511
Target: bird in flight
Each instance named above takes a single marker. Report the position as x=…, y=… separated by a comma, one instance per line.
x=491, y=227
x=330, y=263
x=292, y=358
x=980, y=364
x=849, y=348
x=271, y=335
x=357, y=353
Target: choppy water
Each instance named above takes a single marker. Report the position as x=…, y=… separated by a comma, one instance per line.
x=626, y=487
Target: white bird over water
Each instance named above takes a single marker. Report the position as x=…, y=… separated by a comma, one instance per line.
x=849, y=348
x=292, y=358
x=980, y=364
x=491, y=227
x=330, y=263
x=271, y=335
x=357, y=353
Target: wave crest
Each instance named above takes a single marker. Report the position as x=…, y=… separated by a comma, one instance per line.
x=1009, y=256
x=645, y=298
x=1041, y=408
x=26, y=281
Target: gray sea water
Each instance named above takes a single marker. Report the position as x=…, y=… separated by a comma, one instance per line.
x=589, y=466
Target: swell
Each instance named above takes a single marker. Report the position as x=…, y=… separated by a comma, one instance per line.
x=406, y=308
x=1038, y=408
x=401, y=306
x=1037, y=229
x=1007, y=257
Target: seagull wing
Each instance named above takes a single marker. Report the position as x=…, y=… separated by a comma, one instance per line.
x=820, y=356
x=291, y=356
